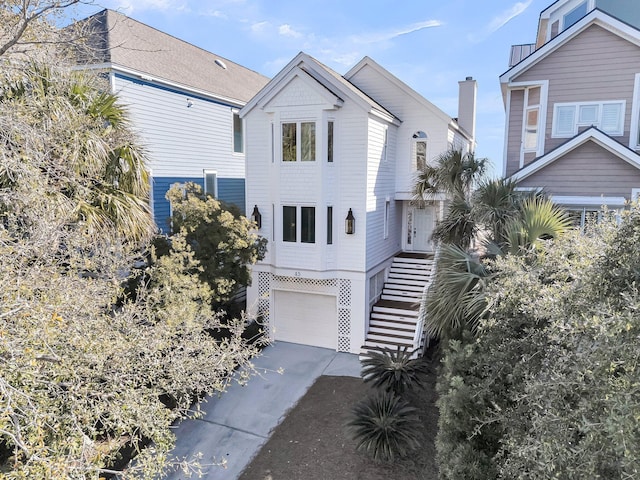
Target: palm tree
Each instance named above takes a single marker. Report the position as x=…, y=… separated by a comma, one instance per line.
x=453, y=175
x=80, y=151
x=539, y=219
x=455, y=301
x=510, y=219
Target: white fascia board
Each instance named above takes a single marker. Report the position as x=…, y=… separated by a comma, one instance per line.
x=595, y=17
x=272, y=84
x=328, y=95
x=166, y=83
x=592, y=134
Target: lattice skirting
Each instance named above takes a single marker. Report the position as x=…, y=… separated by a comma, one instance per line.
x=340, y=288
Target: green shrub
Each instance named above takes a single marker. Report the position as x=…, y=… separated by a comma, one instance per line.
x=393, y=370
x=550, y=388
x=385, y=427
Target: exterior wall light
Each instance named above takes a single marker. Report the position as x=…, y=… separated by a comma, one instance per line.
x=256, y=217
x=350, y=223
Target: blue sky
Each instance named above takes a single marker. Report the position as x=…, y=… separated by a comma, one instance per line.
x=428, y=44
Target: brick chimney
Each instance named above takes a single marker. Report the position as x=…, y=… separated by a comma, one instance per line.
x=467, y=106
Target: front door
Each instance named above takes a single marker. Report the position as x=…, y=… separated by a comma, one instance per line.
x=420, y=223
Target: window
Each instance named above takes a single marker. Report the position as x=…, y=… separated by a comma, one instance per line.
x=574, y=15
x=289, y=224
x=306, y=226
x=329, y=225
x=308, y=134
x=421, y=155
x=419, y=149
x=387, y=207
x=569, y=117
x=330, y=141
x=210, y=183
x=385, y=141
x=531, y=128
x=238, y=138
x=303, y=134
x=289, y=142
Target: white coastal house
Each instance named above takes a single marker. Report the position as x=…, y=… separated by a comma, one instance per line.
x=183, y=102
x=331, y=163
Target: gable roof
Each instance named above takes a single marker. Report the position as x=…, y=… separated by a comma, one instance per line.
x=591, y=134
x=124, y=44
x=595, y=17
x=329, y=79
x=369, y=62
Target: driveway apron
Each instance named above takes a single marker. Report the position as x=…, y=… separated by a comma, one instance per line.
x=238, y=422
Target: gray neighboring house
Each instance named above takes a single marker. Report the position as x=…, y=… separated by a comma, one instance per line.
x=183, y=102
x=572, y=101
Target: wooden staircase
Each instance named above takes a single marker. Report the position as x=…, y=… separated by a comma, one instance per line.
x=394, y=318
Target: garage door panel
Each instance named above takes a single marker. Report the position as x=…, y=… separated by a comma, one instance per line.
x=305, y=318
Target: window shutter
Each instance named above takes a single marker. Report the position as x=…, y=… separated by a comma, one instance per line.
x=565, y=120
x=611, y=118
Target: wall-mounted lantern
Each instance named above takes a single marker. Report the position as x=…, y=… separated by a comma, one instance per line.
x=350, y=223
x=256, y=217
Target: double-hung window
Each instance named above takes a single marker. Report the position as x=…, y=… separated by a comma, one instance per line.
x=606, y=116
x=304, y=229
x=299, y=142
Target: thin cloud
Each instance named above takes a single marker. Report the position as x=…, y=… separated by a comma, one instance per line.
x=128, y=7
x=508, y=15
x=377, y=37
x=287, y=31
x=259, y=27
x=215, y=14
x=500, y=21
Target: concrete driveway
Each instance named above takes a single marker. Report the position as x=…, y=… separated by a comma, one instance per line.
x=239, y=422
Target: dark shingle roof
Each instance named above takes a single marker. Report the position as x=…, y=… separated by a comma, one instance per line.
x=124, y=42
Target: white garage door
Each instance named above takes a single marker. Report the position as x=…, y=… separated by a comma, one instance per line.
x=306, y=318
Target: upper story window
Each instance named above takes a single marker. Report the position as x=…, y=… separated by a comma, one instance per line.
x=299, y=134
x=420, y=150
x=330, y=141
x=606, y=116
x=292, y=229
x=238, y=134
x=385, y=144
x=574, y=15
x=531, y=124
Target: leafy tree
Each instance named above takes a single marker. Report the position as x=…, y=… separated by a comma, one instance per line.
x=221, y=239
x=85, y=374
x=28, y=27
x=550, y=387
x=67, y=149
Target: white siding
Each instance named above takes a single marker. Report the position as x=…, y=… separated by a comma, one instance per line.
x=380, y=188
x=415, y=116
x=182, y=141
x=272, y=183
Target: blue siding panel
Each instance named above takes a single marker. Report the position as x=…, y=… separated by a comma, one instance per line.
x=231, y=190
x=161, y=186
